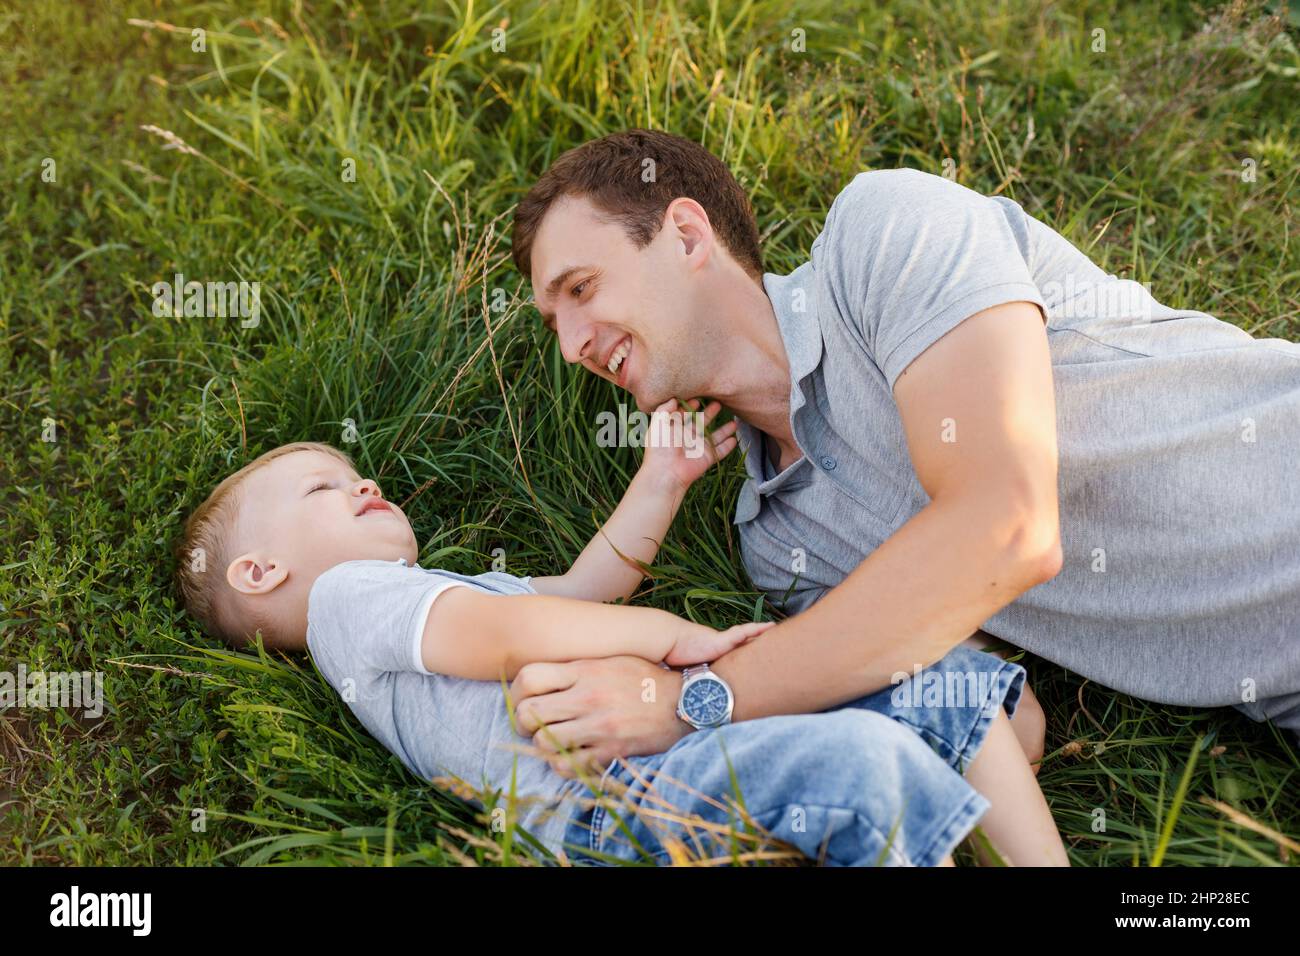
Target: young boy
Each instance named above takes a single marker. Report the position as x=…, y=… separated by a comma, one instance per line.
x=302, y=549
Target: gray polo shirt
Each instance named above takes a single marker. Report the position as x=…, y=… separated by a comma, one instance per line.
x=1178, y=433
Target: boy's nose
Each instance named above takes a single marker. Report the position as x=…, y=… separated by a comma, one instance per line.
x=367, y=487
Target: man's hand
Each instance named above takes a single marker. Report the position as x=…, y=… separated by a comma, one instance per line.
x=597, y=710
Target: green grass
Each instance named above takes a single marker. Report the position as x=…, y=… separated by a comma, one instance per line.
x=376, y=307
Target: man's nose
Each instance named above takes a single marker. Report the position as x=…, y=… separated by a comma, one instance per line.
x=577, y=339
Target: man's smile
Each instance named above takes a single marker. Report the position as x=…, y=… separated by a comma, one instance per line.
x=616, y=362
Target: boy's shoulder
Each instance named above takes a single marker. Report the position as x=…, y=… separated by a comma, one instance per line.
x=366, y=574
x=354, y=597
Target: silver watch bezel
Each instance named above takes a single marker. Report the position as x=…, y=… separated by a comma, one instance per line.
x=694, y=674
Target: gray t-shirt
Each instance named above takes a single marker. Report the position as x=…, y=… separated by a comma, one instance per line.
x=1178, y=433
x=365, y=622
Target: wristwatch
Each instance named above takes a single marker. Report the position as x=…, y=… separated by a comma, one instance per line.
x=706, y=699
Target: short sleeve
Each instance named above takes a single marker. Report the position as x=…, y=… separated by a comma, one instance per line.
x=908, y=255
x=367, y=617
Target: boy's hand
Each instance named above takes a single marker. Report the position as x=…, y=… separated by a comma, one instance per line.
x=700, y=644
x=678, y=446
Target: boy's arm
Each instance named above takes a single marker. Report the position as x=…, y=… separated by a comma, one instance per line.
x=636, y=528
x=677, y=452
x=481, y=636
x=473, y=634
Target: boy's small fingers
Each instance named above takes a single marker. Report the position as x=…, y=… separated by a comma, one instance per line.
x=720, y=436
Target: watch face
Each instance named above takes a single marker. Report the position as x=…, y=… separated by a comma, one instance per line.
x=705, y=701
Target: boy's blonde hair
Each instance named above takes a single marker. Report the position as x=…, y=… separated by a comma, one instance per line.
x=203, y=552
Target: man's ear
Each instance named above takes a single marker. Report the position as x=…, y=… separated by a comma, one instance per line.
x=256, y=573
x=691, y=227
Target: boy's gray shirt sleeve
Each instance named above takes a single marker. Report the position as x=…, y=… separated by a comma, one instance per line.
x=369, y=616
x=906, y=256
x=364, y=628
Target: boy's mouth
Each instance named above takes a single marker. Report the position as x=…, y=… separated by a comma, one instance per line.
x=374, y=504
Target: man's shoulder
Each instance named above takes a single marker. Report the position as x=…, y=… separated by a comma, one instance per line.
x=903, y=189
x=870, y=179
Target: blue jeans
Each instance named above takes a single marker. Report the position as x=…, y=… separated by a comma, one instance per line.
x=876, y=781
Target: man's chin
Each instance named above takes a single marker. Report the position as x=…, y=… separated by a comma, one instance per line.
x=647, y=403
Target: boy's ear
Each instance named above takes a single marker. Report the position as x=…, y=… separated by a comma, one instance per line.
x=256, y=573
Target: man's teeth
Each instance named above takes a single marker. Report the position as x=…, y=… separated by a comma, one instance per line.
x=616, y=359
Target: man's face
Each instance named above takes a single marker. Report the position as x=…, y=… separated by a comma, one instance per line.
x=623, y=313
x=313, y=511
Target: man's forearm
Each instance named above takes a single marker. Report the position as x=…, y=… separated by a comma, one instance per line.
x=917, y=596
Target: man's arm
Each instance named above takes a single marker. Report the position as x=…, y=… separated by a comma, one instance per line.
x=989, y=533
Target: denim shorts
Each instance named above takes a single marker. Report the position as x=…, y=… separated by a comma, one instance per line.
x=875, y=781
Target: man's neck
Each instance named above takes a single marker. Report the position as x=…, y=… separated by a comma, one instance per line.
x=753, y=378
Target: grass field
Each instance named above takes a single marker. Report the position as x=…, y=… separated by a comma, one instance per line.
x=1170, y=156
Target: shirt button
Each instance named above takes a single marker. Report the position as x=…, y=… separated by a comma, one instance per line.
x=828, y=462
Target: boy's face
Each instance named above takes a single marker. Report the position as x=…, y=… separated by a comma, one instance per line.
x=311, y=511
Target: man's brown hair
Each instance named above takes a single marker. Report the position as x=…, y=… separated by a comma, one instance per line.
x=204, y=550
x=613, y=173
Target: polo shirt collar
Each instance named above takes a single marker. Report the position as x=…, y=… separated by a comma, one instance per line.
x=801, y=335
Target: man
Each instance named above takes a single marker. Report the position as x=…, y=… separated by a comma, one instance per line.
x=952, y=419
